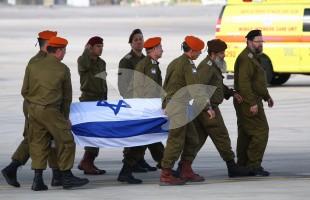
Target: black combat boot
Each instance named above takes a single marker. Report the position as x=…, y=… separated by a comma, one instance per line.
x=236, y=171
x=259, y=171
x=125, y=175
x=10, y=173
x=38, y=184
x=146, y=166
x=56, y=178
x=70, y=181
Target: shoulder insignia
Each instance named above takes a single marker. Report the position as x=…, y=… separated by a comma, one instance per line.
x=194, y=70
x=153, y=70
x=209, y=62
x=128, y=56
x=153, y=62
x=250, y=55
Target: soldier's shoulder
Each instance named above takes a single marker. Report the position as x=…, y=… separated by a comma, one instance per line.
x=100, y=60
x=128, y=56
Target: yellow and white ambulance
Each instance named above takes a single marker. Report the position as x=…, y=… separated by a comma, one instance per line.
x=285, y=25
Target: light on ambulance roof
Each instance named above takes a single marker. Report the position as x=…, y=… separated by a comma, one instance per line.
x=247, y=0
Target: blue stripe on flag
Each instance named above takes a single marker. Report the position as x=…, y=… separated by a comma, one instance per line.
x=120, y=129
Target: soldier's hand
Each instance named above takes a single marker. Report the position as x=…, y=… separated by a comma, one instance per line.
x=270, y=102
x=238, y=97
x=254, y=109
x=211, y=113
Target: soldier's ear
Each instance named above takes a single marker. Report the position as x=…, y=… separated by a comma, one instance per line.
x=88, y=46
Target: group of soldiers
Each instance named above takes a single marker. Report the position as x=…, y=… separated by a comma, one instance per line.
x=47, y=93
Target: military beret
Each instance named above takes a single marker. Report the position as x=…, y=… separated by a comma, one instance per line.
x=194, y=43
x=216, y=45
x=57, y=42
x=253, y=33
x=46, y=35
x=95, y=40
x=152, y=42
x=133, y=33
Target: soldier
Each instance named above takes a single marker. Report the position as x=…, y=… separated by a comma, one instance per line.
x=128, y=62
x=21, y=155
x=250, y=82
x=147, y=83
x=125, y=86
x=47, y=88
x=182, y=138
x=92, y=71
x=210, y=73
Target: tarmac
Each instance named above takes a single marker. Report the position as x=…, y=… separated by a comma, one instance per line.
x=288, y=153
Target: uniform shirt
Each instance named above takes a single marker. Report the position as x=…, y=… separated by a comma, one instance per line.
x=93, y=84
x=38, y=56
x=147, y=81
x=250, y=80
x=210, y=74
x=47, y=82
x=181, y=72
x=125, y=73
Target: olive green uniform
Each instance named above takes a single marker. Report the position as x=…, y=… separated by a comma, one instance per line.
x=125, y=86
x=47, y=88
x=125, y=73
x=147, y=82
x=250, y=82
x=182, y=139
x=22, y=152
x=93, y=83
x=210, y=74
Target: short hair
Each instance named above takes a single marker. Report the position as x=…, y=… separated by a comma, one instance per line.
x=185, y=47
x=53, y=49
x=42, y=42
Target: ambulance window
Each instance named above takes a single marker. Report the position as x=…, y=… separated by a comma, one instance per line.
x=306, y=24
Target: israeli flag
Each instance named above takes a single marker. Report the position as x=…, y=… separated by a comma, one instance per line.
x=121, y=123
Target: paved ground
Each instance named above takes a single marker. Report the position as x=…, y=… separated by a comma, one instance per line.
x=288, y=152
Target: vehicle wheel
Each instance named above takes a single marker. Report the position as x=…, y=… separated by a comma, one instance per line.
x=279, y=78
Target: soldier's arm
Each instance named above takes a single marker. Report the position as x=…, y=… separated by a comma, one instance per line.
x=246, y=72
x=25, y=87
x=228, y=92
x=105, y=85
x=198, y=93
x=139, y=82
x=67, y=94
x=83, y=64
x=261, y=86
x=124, y=76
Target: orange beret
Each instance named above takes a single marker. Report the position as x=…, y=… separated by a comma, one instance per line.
x=194, y=43
x=152, y=42
x=57, y=42
x=46, y=35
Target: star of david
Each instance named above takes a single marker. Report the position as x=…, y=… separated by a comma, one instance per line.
x=115, y=107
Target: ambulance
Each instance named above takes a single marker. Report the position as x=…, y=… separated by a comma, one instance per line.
x=285, y=25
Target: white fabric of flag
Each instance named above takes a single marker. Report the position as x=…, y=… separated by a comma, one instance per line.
x=120, y=123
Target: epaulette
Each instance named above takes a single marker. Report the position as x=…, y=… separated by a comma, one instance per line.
x=250, y=55
x=128, y=56
x=209, y=63
x=153, y=70
x=154, y=62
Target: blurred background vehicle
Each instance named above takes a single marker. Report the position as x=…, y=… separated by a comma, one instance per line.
x=286, y=31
